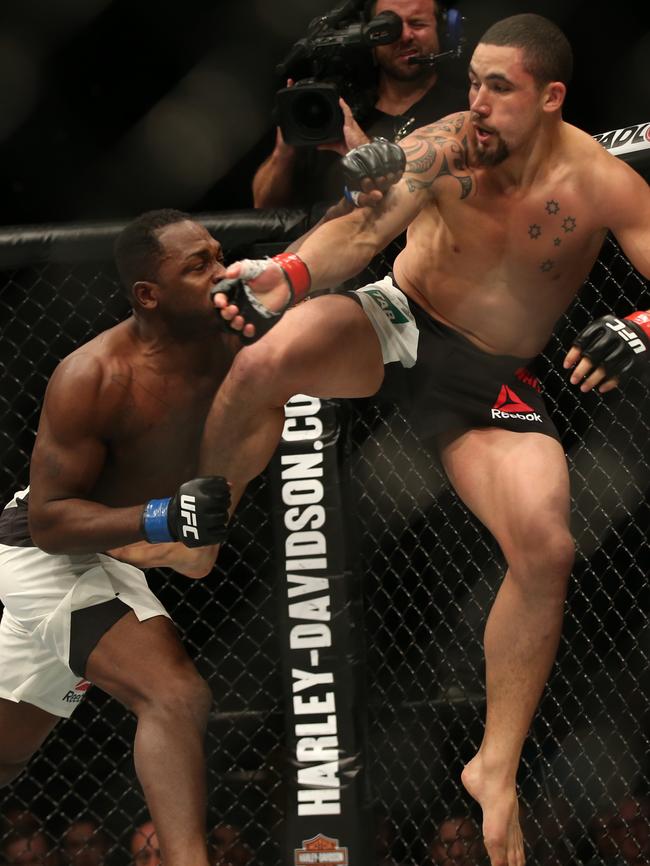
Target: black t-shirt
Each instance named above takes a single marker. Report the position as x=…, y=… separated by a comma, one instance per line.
x=318, y=176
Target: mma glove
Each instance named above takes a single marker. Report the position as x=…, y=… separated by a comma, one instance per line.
x=296, y=274
x=377, y=158
x=196, y=515
x=616, y=344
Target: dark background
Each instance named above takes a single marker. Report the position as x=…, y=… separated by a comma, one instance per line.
x=111, y=107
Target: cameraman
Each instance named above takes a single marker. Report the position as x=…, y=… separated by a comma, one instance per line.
x=407, y=96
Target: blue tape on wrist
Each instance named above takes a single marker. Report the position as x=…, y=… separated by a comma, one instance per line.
x=352, y=195
x=154, y=521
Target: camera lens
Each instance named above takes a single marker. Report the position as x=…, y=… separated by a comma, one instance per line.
x=312, y=111
x=309, y=113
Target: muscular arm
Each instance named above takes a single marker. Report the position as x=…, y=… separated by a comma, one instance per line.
x=342, y=247
x=68, y=458
x=193, y=562
x=341, y=208
x=626, y=202
x=628, y=209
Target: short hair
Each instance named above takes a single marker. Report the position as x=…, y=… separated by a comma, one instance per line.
x=547, y=52
x=137, y=249
x=371, y=5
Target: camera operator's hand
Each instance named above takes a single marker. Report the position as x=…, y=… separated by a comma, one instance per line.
x=353, y=135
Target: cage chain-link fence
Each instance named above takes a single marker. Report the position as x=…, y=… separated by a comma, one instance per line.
x=430, y=573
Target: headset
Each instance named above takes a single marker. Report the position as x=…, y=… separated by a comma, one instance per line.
x=450, y=30
x=452, y=33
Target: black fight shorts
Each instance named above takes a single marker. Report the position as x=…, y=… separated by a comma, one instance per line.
x=441, y=381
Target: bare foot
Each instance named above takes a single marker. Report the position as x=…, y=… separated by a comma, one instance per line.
x=502, y=834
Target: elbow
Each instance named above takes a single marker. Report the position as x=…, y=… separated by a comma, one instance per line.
x=44, y=535
x=50, y=530
x=49, y=543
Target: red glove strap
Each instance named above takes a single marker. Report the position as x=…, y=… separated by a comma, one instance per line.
x=642, y=319
x=296, y=272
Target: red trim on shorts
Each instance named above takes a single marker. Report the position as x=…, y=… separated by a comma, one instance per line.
x=524, y=375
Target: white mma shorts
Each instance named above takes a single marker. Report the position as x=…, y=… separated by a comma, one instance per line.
x=40, y=591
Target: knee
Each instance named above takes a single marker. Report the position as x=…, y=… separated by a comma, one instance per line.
x=188, y=695
x=183, y=695
x=546, y=556
x=259, y=371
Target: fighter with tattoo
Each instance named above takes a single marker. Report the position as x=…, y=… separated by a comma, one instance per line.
x=506, y=207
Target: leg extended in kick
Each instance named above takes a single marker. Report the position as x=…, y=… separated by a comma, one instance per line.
x=518, y=486
x=325, y=347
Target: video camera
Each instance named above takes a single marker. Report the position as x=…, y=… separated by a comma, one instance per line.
x=335, y=59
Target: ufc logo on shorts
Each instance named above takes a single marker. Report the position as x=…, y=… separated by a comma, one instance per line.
x=188, y=516
x=630, y=337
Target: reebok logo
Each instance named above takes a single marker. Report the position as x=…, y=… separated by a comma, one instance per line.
x=188, y=516
x=76, y=695
x=508, y=405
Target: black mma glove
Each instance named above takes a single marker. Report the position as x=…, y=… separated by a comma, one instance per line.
x=375, y=159
x=196, y=515
x=616, y=344
x=250, y=307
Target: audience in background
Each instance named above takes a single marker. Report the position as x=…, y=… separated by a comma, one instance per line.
x=25, y=843
x=226, y=847
x=552, y=831
x=621, y=835
x=457, y=842
x=145, y=847
x=85, y=843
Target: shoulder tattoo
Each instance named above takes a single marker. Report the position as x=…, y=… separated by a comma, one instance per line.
x=429, y=148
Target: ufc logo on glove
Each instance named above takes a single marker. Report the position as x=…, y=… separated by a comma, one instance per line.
x=188, y=516
x=634, y=342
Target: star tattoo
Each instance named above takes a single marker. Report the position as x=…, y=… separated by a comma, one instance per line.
x=552, y=207
x=534, y=231
x=569, y=224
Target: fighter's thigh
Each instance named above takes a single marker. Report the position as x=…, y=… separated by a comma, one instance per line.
x=23, y=729
x=516, y=483
x=326, y=347
x=134, y=660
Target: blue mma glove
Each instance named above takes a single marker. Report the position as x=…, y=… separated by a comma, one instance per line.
x=196, y=515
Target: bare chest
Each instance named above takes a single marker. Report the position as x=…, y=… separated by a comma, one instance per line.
x=154, y=441
x=539, y=238
x=502, y=268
